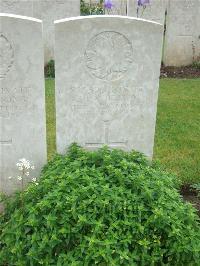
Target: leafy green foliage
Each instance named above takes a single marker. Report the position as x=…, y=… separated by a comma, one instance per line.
x=196, y=64
x=49, y=69
x=88, y=9
x=106, y=207
x=50, y=116
x=197, y=188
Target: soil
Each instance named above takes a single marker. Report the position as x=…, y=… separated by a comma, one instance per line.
x=191, y=195
x=180, y=72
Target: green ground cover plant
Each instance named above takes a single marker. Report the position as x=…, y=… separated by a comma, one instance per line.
x=89, y=9
x=49, y=69
x=196, y=64
x=197, y=188
x=177, y=139
x=106, y=207
x=50, y=117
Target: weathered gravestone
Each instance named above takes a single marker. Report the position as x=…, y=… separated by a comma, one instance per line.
x=47, y=11
x=22, y=98
x=155, y=10
x=182, y=45
x=107, y=79
x=119, y=7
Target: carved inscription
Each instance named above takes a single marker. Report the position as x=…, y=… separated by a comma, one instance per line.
x=187, y=4
x=6, y=142
x=6, y=56
x=9, y=3
x=13, y=101
x=62, y=2
x=108, y=55
x=105, y=102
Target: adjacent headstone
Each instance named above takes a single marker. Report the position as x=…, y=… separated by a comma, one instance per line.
x=17, y=7
x=47, y=11
x=22, y=97
x=182, y=46
x=107, y=79
x=119, y=7
x=154, y=11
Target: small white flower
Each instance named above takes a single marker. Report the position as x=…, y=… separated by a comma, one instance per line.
x=37, y=184
x=10, y=177
x=34, y=179
x=27, y=165
x=24, y=164
x=22, y=160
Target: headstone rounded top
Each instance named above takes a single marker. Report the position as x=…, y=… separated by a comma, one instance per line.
x=20, y=17
x=107, y=17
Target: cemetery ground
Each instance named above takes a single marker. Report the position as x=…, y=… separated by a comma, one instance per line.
x=189, y=72
x=107, y=206
x=177, y=144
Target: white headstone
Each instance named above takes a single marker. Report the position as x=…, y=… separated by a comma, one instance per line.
x=182, y=41
x=47, y=11
x=17, y=7
x=107, y=79
x=22, y=97
x=119, y=7
x=155, y=10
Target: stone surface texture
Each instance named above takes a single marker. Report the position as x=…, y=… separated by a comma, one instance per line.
x=182, y=42
x=154, y=11
x=107, y=79
x=119, y=8
x=22, y=98
x=47, y=11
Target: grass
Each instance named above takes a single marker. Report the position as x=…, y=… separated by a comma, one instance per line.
x=50, y=116
x=177, y=138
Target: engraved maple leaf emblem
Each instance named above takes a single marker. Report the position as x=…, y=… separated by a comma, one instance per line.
x=6, y=56
x=108, y=55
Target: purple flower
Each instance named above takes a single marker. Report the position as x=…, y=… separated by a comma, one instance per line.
x=143, y=2
x=108, y=4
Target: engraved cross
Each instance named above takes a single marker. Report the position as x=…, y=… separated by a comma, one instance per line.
x=111, y=144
